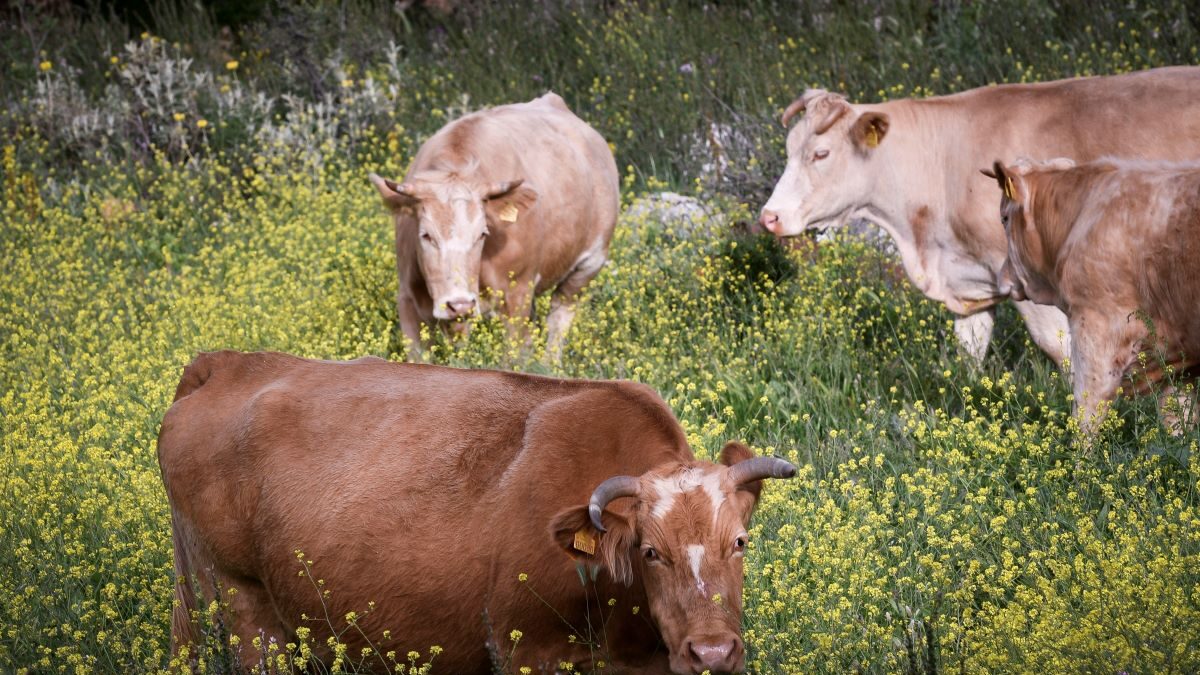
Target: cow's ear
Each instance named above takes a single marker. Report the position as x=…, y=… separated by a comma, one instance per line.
x=574, y=534
x=868, y=130
x=395, y=196
x=747, y=493
x=506, y=202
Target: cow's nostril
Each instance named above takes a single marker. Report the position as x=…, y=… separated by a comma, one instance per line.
x=460, y=307
x=769, y=220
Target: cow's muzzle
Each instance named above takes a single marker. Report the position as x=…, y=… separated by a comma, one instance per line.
x=717, y=654
x=456, y=308
x=769, y=220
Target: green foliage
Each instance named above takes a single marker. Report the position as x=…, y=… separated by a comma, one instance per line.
x=943, y=514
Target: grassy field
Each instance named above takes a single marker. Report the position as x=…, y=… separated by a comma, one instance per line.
x=194, y=187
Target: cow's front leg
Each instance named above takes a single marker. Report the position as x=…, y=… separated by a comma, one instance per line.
x=1177, y=408
x=1099, y=358
x=974, y=333
x=410, y=324
x=1049, y=329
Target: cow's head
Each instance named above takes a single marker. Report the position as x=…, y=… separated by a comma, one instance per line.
x=454, y=216
x=680, y=530
x=827, y=176
x=1024, y=273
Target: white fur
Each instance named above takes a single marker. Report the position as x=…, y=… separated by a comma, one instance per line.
x=695, y=553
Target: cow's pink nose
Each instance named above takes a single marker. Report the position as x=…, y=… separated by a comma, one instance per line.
x=460, y=307
x=716, y=655
x=769, y=220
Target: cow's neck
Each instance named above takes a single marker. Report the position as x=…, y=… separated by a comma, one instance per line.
x=911, y=202
x=904, y=203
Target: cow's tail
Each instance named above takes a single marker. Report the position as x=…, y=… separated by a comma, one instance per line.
x=184, y=629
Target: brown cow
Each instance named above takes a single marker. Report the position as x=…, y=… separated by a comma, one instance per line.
x=1114, y=244
x=910, y=166
x=514, y=201
x=430, y=490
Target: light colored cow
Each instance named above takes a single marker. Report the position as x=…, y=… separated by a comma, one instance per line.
x=464, y=504
x=1114, y=244
x=912, y=167
x=499, y=206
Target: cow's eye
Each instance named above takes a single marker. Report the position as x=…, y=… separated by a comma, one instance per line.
x=426, y=236
x=820, y=154
x=739, y=544
x=650, y=553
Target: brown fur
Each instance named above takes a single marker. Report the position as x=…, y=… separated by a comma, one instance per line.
x=428, y=490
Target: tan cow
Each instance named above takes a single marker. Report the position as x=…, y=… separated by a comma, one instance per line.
x=520, y=199
x=1114, y=244
x=911, y=167
x=433, y=491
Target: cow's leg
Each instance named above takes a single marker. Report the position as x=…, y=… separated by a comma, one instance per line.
x=253, y=616
x=1101, y=351
x=974, y=333
x=410, y=324
x=1049, y=329
x=517, y=312
x=562, y=302
x=558, y=322
x=1177, y=408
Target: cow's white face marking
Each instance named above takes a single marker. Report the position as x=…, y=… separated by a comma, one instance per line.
x=712, y=486
x=695, y=554
x=683, y=482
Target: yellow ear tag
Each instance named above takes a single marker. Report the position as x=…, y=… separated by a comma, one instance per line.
x=585, y=542
x=872, y=137
x=508, y=214
x=1008, y=188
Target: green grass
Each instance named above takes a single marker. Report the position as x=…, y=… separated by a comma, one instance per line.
x=944, y=519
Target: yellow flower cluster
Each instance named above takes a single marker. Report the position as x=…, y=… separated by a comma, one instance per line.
x=942, y=512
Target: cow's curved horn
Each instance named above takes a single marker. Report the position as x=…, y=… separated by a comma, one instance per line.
x=758, y=468
x=503, y=187
x=799, y=105
x=796, y=107
x=617, y=486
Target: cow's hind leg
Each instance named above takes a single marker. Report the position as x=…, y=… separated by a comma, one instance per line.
x=564, y=298
x=255, y=634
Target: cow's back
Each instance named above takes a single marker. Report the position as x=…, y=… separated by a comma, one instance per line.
x=1134, y=245
x=567, y=161
x=1144, y=115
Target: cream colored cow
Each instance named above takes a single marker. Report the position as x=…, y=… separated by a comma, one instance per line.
x=912, y=167
x=506, y=203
